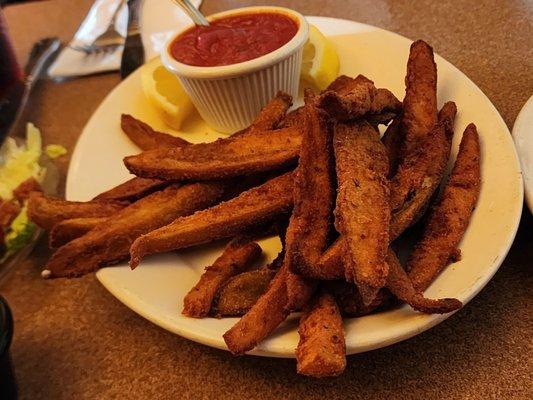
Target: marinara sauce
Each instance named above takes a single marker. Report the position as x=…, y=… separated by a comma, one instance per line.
x=233, y=39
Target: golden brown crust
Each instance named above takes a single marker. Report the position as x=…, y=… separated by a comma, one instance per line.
x=255, y=151
x=241, y=292
x=110, y=242
x=450, y=217
x=420, y=102
x=70, y=229
x=230, y=218
x=48, y=211
x=237, y=256
x=362, y=212
x=265, y=315
x=133, y=189
x=321, y=351
x=310, y=222
x=401, y=286
x=420, y=174
x=147, y=138
x=9, y=209
x=22, y=192
x=348, y=98
x=273, y=113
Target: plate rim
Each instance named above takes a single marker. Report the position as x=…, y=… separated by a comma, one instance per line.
x=429, y=320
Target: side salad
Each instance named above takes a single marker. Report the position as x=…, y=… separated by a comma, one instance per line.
x=22, y=170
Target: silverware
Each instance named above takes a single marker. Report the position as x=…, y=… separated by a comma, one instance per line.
x=107, y=41
x=195, y=14
x=12, y=106
x=133, y=53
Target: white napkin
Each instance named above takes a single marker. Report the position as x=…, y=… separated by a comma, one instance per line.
x=71, y=63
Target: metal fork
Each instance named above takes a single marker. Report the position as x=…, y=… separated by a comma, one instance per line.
x=107, y=41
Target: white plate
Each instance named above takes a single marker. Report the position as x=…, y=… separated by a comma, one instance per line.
x=523, y=138
x=156, y=289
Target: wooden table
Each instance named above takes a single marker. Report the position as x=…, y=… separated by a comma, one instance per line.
x=73, y=340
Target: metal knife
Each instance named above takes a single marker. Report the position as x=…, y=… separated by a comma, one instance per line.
x=133, y=53
x=13, y=104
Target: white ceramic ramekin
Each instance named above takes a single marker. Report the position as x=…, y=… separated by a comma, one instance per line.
x=229, y=97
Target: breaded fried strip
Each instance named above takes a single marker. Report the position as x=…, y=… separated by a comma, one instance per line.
x=241, y=292
x=147, y=138
x=311, y=218
x=133, y=189
x=70, y=229
x=273, y=113
x=110, y=241
x=9, y=209
x=348, y=98
x=349, y=299
x=397, y=282
x=420, y=102
x=22, y=191
x=321, y=351
x=230, y=218
x=450, y=217
x=401, y=286
x=48, y=211
x=362, y=212
x=237, y=256
x=420, y=174
x=256, y=151
x=265, y=315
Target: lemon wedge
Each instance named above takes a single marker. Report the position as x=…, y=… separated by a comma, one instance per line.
x=164, y=91
x=320, y=62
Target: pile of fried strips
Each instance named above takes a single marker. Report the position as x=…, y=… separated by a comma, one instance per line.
x=321, y=177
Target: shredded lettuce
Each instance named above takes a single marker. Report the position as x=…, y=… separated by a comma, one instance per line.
x=54, y=151
x=19, y=234
x=19, y=163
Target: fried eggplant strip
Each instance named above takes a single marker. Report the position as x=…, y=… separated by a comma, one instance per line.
x=420, y=102
x=110, y=241
x=348, y=98
x=427, y=163
x=397, y=282
x=419, y=176
x=9, y=209
x=241, y=292
x=449, y=219
x=321, y=351
x=147, y=138
x=133, y=189
x=230, y=218
x=266, y=314
x=256, y=151
x=70, y=229
x=237, y=256
x=362, y=212
x=311, y=218
x=48, y=211
x=401, y=286
x=273, y=113
x=22, y=192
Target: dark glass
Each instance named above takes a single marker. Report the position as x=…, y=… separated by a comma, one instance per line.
x=8, y=387
x=10, y=72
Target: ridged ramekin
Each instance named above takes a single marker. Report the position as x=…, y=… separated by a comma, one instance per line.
x=229, y=97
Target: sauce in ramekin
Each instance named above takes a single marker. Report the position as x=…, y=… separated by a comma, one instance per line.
x=233, y=39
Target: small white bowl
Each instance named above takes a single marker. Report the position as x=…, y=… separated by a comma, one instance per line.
x=228, y=97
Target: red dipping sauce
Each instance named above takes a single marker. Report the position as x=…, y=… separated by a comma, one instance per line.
x=234, y=39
